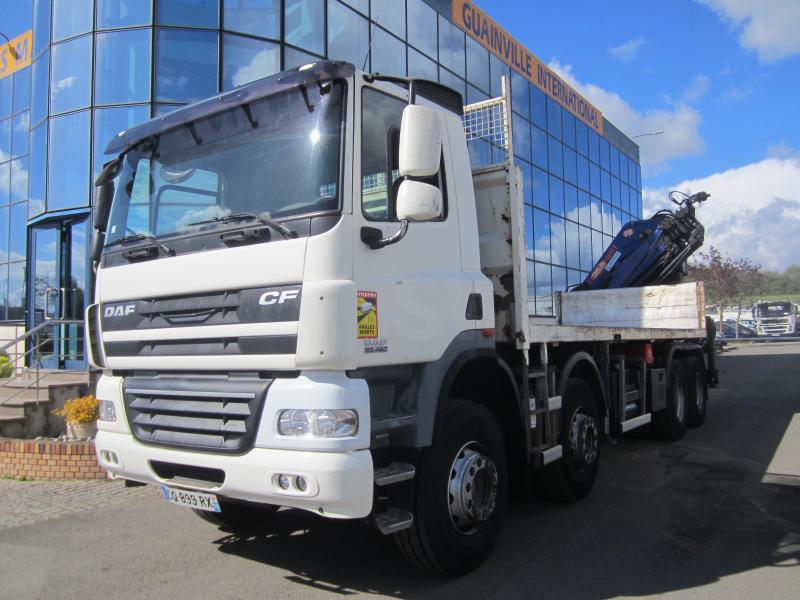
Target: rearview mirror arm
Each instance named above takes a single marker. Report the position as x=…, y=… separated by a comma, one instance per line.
x=373, y=237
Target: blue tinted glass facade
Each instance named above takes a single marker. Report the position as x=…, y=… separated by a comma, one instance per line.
x=100, y=66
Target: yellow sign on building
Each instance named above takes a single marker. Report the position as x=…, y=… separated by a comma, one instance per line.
x=497, y=40
x=23, y=49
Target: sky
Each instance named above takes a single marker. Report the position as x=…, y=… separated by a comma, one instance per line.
x=720, y=78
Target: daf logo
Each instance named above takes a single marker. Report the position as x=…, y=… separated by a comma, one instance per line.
x=121, y=310
x=269, y=298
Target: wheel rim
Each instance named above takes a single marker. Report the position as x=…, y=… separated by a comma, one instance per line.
x=583, y=438
x=680, y=400
x=699, y=396
x=472, y=489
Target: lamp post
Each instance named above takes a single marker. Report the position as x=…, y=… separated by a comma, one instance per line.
x=11, y=48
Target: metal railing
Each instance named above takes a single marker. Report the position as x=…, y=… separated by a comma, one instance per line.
x=30, y=358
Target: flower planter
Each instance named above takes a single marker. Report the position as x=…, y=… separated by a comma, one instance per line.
x=81, y=430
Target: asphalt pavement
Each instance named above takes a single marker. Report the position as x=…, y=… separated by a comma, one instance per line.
x=696, y=519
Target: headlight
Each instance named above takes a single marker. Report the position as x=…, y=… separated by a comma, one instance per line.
x=322, y=423
x=106, y=411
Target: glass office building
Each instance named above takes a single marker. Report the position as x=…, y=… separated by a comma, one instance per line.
x=101, y=66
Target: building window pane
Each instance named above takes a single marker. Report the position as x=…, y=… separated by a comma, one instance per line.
x=573, y=245
x=16, y=291
x=122, y=67
x=20, y=130
x=594, y=180
x=71, y=78
x=586, y=248
x=38, y=170
x=539, y=147
x=522, y=137
x=296, y=58
x=451, y=47
x=568, y=121
x=583, y=173
x=380, y=132
x=22, y=90
x=421, y=66
x=261, y=18
x=538, y=107
x=570, y=166
x=571, y=202
x=348, y=35
x=41, y=25
x=553, y=118
x=5, y=139
x=422, y=33
x=6, y=89
x=559, y=279
x=474, y=94
x=3, y=248
x=390, y=14
x=584, y=209
x=5, y=183
x=108, y=122
x=615, y=162
x=594, y=146
x=581, y=138
x=123, y=13
x=452, y=81
x=360, y=5
x=555, y=156
x=520, y=90
x=541, y=235
x=304, y=22
x=604, y=153
x=189, y=13
x=186, y=65
x=543, y=290
x=40, y=95
x=499, y=70
x=19, y=179
x=478, y=66
x=541, y=194
x=18, y=232
x=556, y=195
x=71, y=17
x=68, y=161
x=245, y=60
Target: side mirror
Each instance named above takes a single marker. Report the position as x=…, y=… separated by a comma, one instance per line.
x=102, y=205
x=105, y=192
x=418, y=201
x=420, y=141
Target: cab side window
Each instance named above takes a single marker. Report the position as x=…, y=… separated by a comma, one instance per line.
x=380, y=144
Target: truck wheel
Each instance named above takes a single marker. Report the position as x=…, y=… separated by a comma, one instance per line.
x=572, y=477
x=669, y=424
x=460, y=498
x=238, y=515
x=697, y=390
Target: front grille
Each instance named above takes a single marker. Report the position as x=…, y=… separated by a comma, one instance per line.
x=207, y=413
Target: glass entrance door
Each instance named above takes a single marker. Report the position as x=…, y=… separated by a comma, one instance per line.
x=58, y=283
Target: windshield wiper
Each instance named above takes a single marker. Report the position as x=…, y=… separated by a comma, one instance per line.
x=138, y=237
x=245, y=216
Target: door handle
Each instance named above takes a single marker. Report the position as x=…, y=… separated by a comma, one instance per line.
x=47, y=294
x=64, y=304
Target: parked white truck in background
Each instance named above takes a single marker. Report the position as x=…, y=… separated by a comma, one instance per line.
x=306, y=297
x=775, y=318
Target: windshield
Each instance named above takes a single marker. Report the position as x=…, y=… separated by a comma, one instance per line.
x=276, y=158
x=780, y=309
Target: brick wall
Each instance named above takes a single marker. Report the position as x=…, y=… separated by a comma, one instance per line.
x=49, y=460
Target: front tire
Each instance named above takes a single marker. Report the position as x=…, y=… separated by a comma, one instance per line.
x=572, y=477
x=238, y=516
x=461, y=490
x=669, y=424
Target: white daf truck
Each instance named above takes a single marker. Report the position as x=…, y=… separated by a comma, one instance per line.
x=306, y=297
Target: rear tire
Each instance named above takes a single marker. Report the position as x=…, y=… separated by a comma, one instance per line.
x=669, y=424
x=237, y=516
x=461, y=489
x=697, y=390
x=572, y=477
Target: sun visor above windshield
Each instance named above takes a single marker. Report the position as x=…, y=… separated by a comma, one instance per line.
x=320, y=71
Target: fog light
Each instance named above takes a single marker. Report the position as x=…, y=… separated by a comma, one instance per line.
x=106, y=411
x=284, y=481
x=300, y=483
x=322, y=423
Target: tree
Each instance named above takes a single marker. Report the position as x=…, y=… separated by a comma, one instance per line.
x=727, y=280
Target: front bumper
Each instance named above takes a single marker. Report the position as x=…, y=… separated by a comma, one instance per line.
x=340, y=483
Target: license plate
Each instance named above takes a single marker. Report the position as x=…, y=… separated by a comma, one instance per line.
x=189, y=499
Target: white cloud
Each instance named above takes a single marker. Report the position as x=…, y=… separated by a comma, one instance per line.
x=680, y=123
x=63, y=84
x=264, y=63
x=627, y=52
x=697, y=88
x=753, y=212
x=770, y=27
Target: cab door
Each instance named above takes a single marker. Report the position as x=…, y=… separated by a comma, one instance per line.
x=412, y=295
